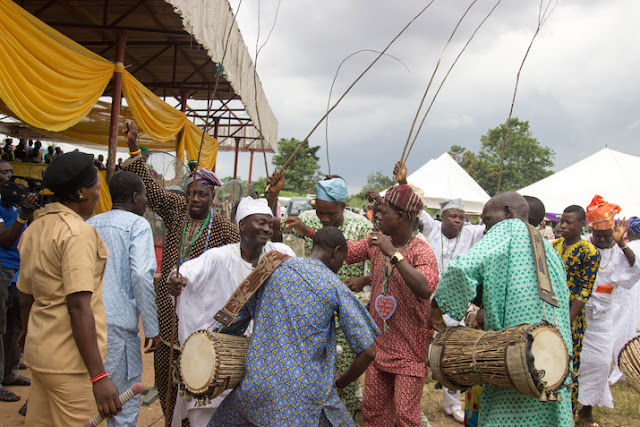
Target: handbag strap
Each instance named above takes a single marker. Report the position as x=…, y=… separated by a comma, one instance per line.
x=249, y=286
x=545, y=291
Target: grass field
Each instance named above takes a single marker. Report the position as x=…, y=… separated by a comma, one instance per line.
x=625, y=414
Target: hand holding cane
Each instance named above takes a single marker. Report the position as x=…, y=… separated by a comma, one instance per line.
x=124, y=398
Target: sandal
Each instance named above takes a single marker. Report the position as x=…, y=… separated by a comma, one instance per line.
x=7, y=395
x=20, y=381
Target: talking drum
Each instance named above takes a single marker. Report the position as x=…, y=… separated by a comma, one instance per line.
x=210, y=363
x=629, y=362
x=532, y=359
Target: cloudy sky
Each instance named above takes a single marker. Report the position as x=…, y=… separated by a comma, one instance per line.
x=578, y=89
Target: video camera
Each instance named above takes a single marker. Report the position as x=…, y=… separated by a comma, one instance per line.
x=13, y=193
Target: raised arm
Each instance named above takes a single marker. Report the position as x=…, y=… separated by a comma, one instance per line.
x=168, y=205
x=421, y=279
x=275, y=183
x=618, y=235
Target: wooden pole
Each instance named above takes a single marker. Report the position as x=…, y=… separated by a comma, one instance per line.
x=250, y=166
x=235, y=167
x=115, y=105
x=183, y=108
x=216, y=123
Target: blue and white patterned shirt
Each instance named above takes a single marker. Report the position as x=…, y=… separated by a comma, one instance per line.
x=291, y=358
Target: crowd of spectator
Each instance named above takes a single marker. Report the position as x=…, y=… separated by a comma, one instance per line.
x=28, y=151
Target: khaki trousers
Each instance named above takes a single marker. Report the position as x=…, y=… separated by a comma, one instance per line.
x=60, y=400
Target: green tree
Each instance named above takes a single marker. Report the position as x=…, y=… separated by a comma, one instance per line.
x=259, y=185
x=525, y=159
x=377, y=181
x=303, y=172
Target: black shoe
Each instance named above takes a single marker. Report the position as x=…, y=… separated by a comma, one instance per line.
x=20, y=381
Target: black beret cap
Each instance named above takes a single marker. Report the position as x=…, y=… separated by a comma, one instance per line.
x=70, y=172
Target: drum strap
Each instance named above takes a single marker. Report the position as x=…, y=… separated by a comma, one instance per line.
x=249, y=286
x=545, y=291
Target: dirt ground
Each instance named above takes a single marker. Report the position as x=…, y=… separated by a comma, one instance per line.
x=152, y=415
x=149, y=415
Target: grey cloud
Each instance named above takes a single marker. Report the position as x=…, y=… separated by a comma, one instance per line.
x=578, y=87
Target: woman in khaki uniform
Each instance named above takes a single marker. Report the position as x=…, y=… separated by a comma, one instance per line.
x=63, y=260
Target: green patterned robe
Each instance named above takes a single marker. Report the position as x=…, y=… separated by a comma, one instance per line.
x=503, y=263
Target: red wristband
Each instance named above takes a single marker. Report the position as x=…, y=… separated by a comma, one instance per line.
x=99, y=377
x=310, y=233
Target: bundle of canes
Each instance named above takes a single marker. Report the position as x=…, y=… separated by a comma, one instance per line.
x=169, y=396
x=382, y=53
x=124, y=398
x=408, y=147
x=407, y=151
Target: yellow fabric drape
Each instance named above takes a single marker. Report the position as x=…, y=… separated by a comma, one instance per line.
x=154, y=116
x=162, y=122
x=191, y=143
x=47, y=79
x=104, y=203
x=50, y=82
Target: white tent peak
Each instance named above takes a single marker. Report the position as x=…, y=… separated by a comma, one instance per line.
x=608, y=173
x=443, y=179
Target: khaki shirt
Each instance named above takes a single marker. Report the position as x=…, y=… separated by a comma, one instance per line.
x=60, y=255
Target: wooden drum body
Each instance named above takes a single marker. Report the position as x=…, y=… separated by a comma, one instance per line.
x=629, y=362
x=531, y=359
x=210, y=363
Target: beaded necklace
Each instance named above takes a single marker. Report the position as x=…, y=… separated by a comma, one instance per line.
x=602, y=267
x=386, y=304
x=209, y=220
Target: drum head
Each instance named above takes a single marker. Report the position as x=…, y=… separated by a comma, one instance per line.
x=198, y=362
x=550, y=355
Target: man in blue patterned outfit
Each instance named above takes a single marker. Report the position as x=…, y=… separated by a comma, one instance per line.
x=289, y=378
x=128, y=287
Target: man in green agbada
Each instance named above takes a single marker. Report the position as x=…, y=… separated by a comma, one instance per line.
x=502, y=263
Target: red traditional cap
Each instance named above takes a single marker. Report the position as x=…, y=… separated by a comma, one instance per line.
x=404, y=199
x=601, y=214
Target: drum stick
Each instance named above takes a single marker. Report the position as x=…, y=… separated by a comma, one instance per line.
x=124, y=398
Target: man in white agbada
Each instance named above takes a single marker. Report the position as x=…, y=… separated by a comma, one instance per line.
x=448, y=239
x=625, y=305
x=618, y=269
x=206, y=283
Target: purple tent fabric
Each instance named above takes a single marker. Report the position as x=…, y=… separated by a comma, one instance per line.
x=552, y=216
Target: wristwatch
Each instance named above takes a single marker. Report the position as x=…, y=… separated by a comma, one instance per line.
x=396, y=258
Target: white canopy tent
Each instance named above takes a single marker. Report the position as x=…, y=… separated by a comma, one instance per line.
x=444, y=179
x=609, y=173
